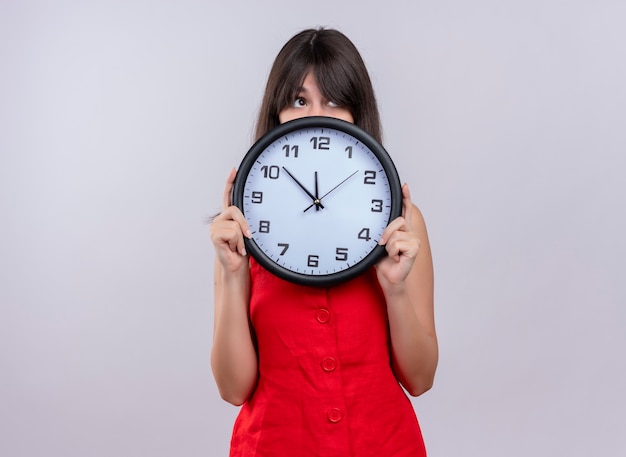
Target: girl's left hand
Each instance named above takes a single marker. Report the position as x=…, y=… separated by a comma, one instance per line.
x=402, y=244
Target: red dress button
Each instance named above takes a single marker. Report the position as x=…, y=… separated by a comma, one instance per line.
x=323, y=316
x=329, y=364
x=335, y=415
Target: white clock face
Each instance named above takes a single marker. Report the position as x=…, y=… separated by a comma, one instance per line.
x=317, y=200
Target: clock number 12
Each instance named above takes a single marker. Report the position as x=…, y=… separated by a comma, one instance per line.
x=320, y=142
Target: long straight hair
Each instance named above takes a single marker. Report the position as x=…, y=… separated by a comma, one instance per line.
x=340, y=73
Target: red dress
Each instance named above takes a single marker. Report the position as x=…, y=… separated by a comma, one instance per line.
x=325, y=388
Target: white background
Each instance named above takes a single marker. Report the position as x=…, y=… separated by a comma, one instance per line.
x=119, y=121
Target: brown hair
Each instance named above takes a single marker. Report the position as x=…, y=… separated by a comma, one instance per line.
x=340, y=73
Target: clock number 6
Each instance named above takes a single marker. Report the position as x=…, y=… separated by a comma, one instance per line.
x=313, y=261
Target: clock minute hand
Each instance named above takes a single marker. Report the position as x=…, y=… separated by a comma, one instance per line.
x=320, y=199
x=316, y=201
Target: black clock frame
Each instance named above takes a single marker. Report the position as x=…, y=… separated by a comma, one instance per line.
x=307, y=123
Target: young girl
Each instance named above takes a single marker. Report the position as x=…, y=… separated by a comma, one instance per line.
x=319, y=370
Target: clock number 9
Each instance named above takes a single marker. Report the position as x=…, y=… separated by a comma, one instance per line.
x=257, y=197
x=370, y=177
x=320, y=142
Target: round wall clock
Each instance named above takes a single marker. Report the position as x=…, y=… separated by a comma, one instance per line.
x=317, y=193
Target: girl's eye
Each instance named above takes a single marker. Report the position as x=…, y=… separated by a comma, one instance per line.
x=299, y=102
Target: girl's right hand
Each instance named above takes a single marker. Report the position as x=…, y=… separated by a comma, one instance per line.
x=227, y=232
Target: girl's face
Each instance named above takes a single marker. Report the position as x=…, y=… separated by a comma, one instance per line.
x=311, y=102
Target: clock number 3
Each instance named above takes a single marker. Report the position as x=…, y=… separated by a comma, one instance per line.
x=377, y=206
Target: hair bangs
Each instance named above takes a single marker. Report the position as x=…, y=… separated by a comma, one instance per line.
x=335, y=84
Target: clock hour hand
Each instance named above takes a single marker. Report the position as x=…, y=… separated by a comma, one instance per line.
x=316, y=201
x=320, y=199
